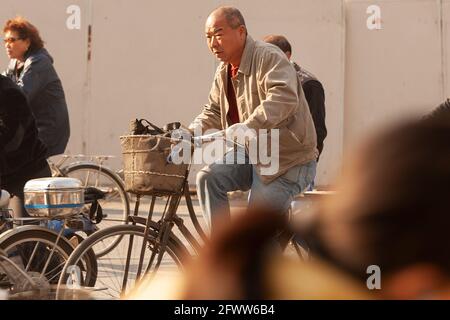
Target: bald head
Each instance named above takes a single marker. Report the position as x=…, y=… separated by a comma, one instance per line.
x=232, y=15
x=226, y=34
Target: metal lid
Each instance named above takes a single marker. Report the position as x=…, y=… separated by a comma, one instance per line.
x=52, y=184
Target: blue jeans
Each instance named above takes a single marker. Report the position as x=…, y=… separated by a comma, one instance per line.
x=215, y=180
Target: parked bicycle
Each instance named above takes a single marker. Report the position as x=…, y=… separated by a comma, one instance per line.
x=92, y=172
x=147, y=247
x=32, y=256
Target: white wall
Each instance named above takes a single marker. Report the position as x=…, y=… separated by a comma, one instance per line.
x=394, y=72
x=149, y=59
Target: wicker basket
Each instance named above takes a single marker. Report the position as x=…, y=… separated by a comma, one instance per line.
x=146, y=169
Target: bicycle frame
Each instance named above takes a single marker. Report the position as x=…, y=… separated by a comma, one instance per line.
x=165, y=225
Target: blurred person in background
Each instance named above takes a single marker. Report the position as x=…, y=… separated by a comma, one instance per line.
x=31, y=68
x=314, y=92
x=392, y=210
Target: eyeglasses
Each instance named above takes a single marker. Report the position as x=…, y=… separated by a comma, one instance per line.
x=11, y=40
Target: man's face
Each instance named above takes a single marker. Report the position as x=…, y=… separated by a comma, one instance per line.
x=225, y=43
x=15, y=46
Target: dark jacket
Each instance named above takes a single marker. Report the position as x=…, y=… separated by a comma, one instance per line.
x=21, y=152
x=315, y=96
x=42, y=86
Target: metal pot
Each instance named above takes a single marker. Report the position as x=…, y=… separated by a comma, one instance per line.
x=54, y=197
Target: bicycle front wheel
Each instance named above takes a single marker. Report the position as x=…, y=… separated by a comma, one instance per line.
x=35, y=250
x=118, y=269
x=115, y=205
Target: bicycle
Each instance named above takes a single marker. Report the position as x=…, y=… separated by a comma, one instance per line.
x=149, y=247
x=92, y=172
x=32, y=257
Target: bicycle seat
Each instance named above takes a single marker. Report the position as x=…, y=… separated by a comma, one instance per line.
x=92, y=194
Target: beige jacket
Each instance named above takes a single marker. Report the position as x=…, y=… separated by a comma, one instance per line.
x=269, y=96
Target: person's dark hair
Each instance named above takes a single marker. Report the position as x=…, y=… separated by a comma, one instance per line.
x=442, y=109
x=279, y=41
x=393, y=207
x=25, y=30
x=238, y=253
x=233, y=16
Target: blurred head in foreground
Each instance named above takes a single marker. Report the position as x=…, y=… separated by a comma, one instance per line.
x=244, y=261
x=393, y=211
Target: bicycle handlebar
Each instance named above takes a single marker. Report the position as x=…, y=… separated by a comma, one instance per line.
x=204, y=138
x=209, y=138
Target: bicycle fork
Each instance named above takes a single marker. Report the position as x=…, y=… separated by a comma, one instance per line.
x=130, y=247
x=161, y=241
x=159, y=244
